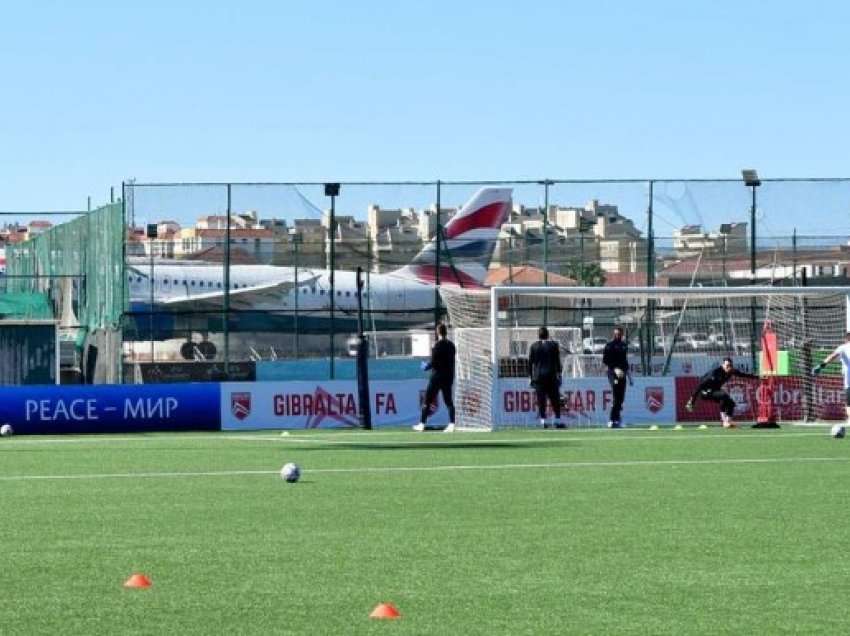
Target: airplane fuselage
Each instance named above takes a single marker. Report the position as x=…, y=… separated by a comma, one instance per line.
x=389, y=297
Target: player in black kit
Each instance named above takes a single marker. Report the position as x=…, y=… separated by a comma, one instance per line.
x=614, y=356
x=544, y=368
x=710, y=388
x=442, y=367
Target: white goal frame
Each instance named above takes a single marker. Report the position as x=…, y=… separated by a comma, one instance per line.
x=499, y=292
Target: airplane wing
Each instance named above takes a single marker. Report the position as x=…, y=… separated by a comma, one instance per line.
x=242, y=298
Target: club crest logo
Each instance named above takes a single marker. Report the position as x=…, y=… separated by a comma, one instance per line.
x=654, y=396
x=240, y=405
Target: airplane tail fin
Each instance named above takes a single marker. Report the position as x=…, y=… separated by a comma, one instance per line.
x=467, y=244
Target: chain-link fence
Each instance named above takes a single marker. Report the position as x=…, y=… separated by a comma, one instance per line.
x=209, y=280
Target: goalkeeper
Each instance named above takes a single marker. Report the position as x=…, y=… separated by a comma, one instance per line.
x=710, y=388
x=615, y=357
x=843, y=352
x=544, y=368
x=442, y=368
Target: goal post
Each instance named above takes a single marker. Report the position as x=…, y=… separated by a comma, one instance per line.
x=674, y=335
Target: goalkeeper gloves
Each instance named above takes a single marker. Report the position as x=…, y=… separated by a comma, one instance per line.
x=818, y=368
x=424, y=365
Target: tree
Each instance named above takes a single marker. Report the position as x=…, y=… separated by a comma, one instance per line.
x=586, y=275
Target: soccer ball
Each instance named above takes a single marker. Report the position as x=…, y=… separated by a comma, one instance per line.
x=290, y=473
x=6, y=430
x=838, y=431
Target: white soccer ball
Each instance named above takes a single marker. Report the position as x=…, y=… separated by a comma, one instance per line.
x=838, y=431
x=6, y=430
x=290, y=473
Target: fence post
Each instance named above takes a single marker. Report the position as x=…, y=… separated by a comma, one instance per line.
x=227, y=287
x=650, y=281
x=437, y=260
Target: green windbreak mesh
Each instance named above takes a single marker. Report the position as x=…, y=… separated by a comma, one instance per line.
x=80, y=261
x=25, y=305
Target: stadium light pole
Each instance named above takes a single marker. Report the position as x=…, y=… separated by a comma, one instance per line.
x=332, y=191
x=752, y=181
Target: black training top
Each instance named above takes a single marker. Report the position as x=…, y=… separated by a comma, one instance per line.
x=614, y=355
x=716, y=378
x=443, y=360
x=544, y=360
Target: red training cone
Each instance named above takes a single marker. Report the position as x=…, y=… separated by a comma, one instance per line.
x=385, y=610
x=138, y=581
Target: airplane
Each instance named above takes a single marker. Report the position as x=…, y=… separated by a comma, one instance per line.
x=266, y=297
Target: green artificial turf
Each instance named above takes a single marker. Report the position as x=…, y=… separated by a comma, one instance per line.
x=522, y=532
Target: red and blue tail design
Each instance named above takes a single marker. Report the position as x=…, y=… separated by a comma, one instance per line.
x=468, y=241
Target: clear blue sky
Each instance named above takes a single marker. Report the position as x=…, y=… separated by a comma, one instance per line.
x=93, y=93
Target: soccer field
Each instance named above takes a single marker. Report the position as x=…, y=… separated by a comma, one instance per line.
x=524, y=532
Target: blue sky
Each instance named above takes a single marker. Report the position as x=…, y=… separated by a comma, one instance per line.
x=94, y=93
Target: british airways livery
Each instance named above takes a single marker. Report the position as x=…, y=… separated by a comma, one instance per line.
x=271, y=293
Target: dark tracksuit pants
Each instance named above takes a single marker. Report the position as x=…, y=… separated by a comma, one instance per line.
x=438, y=384
x=618, y=387
x=548, y=389
x=727, y=404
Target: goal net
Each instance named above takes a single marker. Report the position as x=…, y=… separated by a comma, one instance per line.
x=673, y=335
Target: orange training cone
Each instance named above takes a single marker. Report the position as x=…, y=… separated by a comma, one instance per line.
x=385, y=610
x=138, y=581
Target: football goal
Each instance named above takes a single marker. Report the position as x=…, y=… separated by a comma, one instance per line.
x=673, y=335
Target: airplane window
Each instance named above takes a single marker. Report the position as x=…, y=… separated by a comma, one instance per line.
x=200, y=283
x=165, y=281
x=193, y=283
x=348, y=293
x=321, y=292
x=304, y=290
x=184, y=281
x=139, y=279
x=339, y=293
x=219, y=285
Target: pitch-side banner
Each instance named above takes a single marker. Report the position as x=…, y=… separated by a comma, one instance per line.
x=794, y=398
x=586, y=402
x=330, y=404
x=113, y=408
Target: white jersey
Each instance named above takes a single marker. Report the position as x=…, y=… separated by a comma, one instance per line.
x=844, y=354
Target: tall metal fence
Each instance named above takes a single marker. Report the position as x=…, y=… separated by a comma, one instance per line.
x=225, y=275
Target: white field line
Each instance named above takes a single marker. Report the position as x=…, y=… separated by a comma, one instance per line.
x=446, y=468
x=430, y=438
x=102, y=439
x=438, y=439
